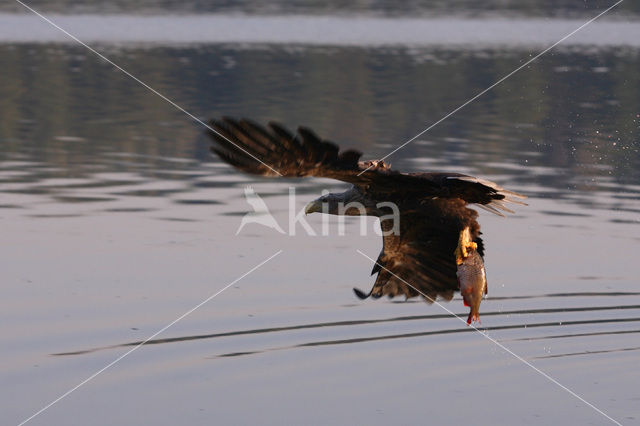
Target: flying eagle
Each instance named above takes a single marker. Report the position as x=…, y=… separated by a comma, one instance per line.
x=436, y=231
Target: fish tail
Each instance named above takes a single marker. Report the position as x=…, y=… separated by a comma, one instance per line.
x=473, y=317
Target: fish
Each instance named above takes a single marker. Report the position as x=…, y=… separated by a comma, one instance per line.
x=472, y=280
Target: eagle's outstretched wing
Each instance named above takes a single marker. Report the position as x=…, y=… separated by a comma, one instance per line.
x=242, y=143
x=255, y=149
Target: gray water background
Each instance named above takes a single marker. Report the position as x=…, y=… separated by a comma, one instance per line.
x=116, y=220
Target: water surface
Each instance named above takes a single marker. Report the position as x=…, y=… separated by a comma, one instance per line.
x=116, y=221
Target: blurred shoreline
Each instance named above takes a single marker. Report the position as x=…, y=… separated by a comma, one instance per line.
x=316, y=30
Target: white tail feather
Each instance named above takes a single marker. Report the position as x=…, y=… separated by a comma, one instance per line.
x=495, y=205
x=499, y=205
x=511, y=200
x=488, y=208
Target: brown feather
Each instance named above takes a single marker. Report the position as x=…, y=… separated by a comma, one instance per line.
x=433, y=206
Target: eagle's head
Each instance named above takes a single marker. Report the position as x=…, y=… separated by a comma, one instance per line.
x=349, y=203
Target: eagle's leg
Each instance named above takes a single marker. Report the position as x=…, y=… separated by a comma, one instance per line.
x=464, y=244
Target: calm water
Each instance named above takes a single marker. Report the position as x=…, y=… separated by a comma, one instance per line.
x=116, y=221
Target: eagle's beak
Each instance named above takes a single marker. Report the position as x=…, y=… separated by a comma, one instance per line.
x=313, y=207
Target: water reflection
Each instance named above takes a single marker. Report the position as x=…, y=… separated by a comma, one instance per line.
x=116, y=216
x=523, y=313
x=562, y=8
x=439, y=332
x=637, y=348
x=566, y=128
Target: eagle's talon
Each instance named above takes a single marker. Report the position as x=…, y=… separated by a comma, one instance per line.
x=465, y=245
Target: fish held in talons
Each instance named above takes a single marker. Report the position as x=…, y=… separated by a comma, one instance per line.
x=472, y=278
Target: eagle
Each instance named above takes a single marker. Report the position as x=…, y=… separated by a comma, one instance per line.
x=425, y=238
